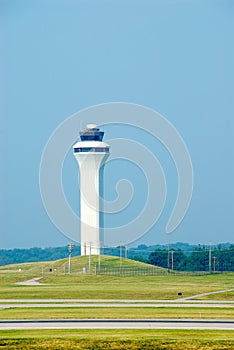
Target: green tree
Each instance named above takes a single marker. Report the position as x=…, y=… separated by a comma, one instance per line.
x=159, y=258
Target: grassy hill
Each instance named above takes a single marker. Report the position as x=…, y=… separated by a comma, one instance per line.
x=126, y=279
x=81, y=265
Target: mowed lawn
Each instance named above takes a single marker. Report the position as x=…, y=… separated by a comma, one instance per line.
x=117, y=313
x=116, y=287
x=60, y=284
x=117, y=339
x=84, y=286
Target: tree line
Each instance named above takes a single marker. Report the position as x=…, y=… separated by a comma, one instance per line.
x=16, y=256
x=178, y=256
x=200, y=259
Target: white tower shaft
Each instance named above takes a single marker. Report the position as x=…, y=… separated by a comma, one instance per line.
x=91, y=153
x=90, y=183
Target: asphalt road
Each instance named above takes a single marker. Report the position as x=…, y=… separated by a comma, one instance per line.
x=120, y=324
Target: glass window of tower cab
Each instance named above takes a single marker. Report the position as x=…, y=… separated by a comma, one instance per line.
x=91, y=133
x=91, y=141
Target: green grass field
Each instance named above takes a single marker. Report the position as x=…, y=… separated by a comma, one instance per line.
x=116, y=312
x=117, y=339
x=115, y=287
x=78, y=285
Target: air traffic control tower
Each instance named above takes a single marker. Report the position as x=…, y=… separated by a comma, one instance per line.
x=91, y=153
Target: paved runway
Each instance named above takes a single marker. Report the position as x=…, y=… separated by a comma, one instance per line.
x=111, y=305
x=71, y=303
x=129, y=301
x=120, y=324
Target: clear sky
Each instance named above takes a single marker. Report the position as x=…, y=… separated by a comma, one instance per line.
x=60, y=56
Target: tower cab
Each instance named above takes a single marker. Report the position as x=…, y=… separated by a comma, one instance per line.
x=91, y=141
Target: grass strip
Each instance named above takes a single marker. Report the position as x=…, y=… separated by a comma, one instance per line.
x=117, y=312
x=110, y=287
x=117, y=339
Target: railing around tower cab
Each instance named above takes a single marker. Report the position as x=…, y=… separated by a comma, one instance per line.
x=91, y=149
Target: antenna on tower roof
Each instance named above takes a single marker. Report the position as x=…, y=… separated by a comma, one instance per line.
x=91, y=126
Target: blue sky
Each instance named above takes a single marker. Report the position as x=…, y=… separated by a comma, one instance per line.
x=62, y=56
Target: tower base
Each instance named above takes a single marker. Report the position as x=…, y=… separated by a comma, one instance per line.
x=90, y=248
